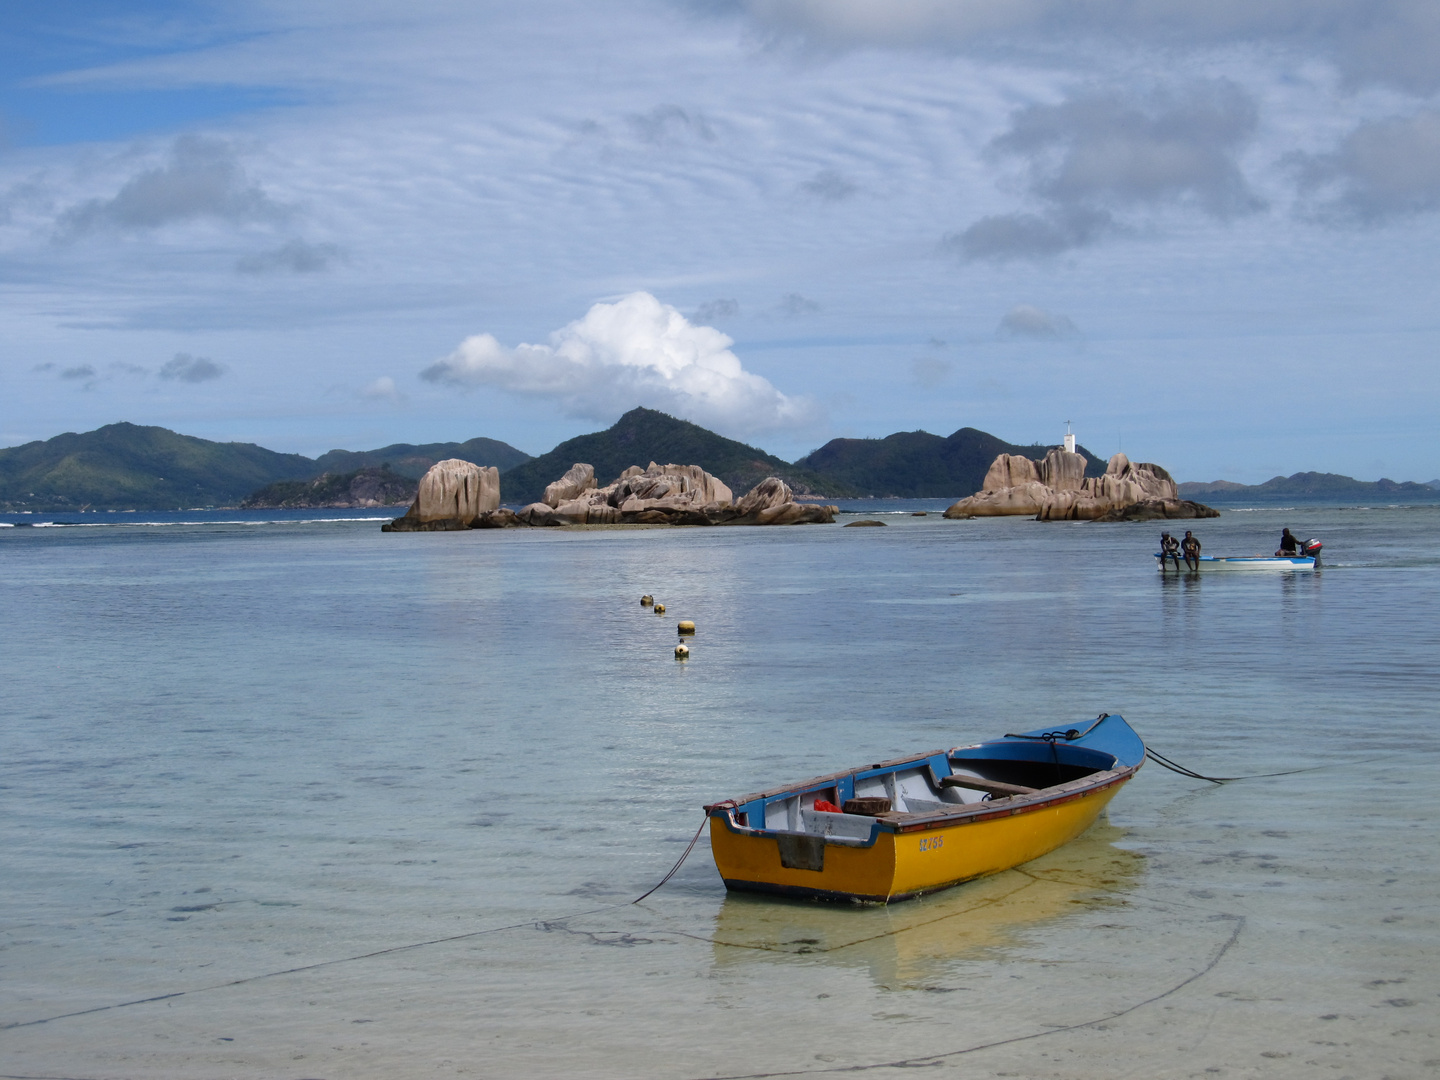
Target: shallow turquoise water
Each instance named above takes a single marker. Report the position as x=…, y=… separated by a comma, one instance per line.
x=234, y=750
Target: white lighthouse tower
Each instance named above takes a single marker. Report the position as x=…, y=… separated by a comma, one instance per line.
x=1069, y=439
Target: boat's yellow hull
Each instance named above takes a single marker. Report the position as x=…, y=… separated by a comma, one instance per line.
x=911, y=859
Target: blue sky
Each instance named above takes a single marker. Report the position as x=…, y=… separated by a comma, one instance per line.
x=1204, y=232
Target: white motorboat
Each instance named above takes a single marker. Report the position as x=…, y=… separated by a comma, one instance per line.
x=1243, y=562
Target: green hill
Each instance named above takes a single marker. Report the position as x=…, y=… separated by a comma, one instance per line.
x=412, y=461
x=919, y=465
x=125, y=466
x=1311, y=487
x=644, y=435
x=129, y=467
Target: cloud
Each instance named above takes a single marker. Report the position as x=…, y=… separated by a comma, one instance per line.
x=202, y=179
x=1029, y=236
x=795, y=305
x=669, y=124
x=1025, y=321
x=382, y=389
x=929, y=372
x=190, y=369
x=295, y=257
x=1101, y=152
x=712, y=310
x=1388, y=41
x=81, y=371
x=1383, y=169
x=829, y=185
x=636, y=351
x=1103, y=148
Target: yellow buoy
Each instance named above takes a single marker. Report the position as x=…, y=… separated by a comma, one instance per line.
x=686, y=626
x=682, y=651
x=646, y=600
x=659, y=609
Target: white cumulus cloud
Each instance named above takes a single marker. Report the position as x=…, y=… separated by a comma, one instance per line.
x=635, y=351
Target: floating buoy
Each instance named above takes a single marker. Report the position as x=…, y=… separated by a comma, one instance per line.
x=685, y=626
x=682, y=651
x=646, y=600
x=659, y=609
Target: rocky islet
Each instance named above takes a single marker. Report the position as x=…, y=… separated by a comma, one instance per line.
x=457, y=495
x=1056, y=488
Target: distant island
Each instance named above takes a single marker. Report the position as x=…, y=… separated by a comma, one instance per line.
x=361, y=489
x=1312, y=487
x=132, y=467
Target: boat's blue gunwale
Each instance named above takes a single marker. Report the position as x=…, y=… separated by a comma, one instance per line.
x=970, y=814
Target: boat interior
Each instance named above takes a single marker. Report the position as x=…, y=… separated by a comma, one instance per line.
x=937, y=782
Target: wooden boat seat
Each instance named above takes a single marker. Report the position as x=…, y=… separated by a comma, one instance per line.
x=994, y=787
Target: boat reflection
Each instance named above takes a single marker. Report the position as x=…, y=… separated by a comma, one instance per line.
x=912, y=943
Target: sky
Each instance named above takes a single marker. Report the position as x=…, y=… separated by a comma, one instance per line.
x=1203, y=232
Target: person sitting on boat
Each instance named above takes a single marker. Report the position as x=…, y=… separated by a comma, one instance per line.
x=1169, y=549
x=1288, y=544
x=1191, y=547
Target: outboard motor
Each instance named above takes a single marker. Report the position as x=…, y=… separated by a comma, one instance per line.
x=1311, y=549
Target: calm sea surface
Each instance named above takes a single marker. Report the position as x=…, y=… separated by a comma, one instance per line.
x=294, y=798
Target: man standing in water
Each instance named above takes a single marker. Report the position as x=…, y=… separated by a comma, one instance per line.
x=1169, y=549
x=1288, y=544
x=1191, y=547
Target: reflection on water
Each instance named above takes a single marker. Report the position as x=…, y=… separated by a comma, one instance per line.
x=911, y=944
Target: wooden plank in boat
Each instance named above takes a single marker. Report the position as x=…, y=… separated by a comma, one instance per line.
x=994, y=787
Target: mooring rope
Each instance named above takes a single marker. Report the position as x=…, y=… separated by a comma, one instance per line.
x=1176, y=767
x=688, y=848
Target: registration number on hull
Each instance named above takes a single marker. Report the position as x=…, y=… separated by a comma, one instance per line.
x=931, y=843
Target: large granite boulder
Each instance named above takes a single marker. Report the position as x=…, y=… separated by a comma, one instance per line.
x=1010, y=471
x=1063, y=471
x=637, y=489
x=1016, y=485
x=770, y=502
x=768, y=494
x=676, y=494
x=1057, y=489
x=580, y=479
x=451, y=491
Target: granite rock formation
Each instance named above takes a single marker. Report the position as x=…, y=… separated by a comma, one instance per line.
x=452, y=494
x=656, y=495
x=1057, y=489
x=668, y=495
x=580, y=479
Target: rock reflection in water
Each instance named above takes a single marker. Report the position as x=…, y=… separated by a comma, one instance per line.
x=912, y=944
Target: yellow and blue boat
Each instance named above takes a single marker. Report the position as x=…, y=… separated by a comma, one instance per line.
x=896, y=829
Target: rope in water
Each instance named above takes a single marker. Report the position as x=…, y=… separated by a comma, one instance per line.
x=688, y=848
x=1176, y=767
